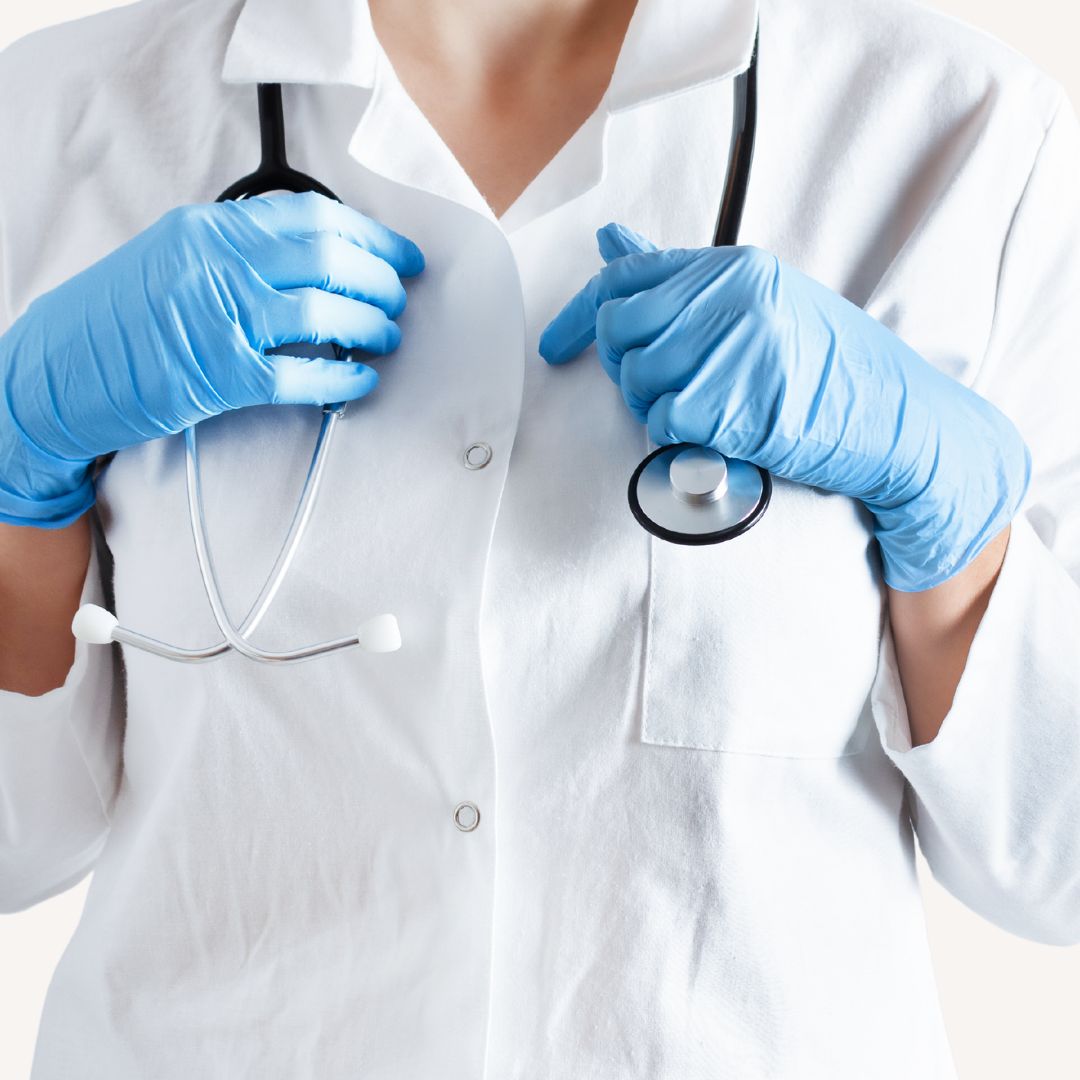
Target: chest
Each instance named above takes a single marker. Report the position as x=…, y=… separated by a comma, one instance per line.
x=541, y=535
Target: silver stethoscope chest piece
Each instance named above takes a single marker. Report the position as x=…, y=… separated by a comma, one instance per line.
x=689, y=494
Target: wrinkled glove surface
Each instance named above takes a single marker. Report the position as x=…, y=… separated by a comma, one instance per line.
x=176, y=326
x=732, y=349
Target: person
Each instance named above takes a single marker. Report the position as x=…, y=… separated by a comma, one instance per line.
x=618, y=808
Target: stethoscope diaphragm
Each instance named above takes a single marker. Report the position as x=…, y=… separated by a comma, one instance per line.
x=688, y=494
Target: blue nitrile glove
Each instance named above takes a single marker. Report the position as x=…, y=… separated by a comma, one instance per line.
x=730, y=348
x=174, y=326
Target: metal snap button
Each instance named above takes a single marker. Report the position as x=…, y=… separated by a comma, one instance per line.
x=466, y=816
x=477, y=455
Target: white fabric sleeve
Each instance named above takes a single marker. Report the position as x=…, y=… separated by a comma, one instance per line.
x=60, y=753
x=60, y=759
x=996, y=795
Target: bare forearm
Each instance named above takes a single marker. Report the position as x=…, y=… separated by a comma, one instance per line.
x=933, y=632
x=41, y=577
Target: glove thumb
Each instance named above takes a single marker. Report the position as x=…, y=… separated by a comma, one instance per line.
x=615, y=241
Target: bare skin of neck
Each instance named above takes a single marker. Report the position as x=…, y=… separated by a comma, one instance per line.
x=504, y=84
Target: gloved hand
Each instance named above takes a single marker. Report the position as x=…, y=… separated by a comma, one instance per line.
x=174, y=326
x=730, y=348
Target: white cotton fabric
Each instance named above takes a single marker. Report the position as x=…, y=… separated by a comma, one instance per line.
x=693, y=769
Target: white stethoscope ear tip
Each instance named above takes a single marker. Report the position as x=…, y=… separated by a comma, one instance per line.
x=94, y=625
x=379, y=634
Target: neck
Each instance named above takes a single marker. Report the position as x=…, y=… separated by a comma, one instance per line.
x=505, y=83
x=480, y=42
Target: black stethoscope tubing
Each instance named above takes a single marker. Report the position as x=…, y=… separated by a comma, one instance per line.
x=274, y=172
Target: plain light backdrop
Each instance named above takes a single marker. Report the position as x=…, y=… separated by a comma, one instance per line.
x=1012, y=1007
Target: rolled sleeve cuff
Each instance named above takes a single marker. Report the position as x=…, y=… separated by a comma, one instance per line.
x=996, y=797
x=1024, y=658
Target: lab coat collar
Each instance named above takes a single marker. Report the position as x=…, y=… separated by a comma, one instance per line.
x=670, y=45
x=675, y=45
x=322, y=41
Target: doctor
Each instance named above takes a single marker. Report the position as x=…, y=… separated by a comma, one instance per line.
x=618, y=808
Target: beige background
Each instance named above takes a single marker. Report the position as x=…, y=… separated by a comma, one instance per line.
x=1012, y=1007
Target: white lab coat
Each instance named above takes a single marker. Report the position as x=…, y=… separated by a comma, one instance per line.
x=694, y=858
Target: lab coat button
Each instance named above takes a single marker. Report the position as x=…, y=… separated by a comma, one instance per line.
x=466, y=816
x=477, y=455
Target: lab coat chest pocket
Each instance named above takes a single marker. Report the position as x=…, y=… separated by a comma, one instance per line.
x=767, y=644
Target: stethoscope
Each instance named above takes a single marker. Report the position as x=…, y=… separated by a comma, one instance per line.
x=682, y=493
x=380, y=633
x=689, y=494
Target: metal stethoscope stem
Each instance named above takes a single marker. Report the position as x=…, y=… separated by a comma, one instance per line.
x=297, y=528
x=380, y=633
x=237, y=638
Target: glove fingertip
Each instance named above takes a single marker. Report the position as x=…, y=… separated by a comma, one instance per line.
x=556, y=348
x=302, y=381
x=615, y=240
x=410, y=259
x=658, y=420
x=359, y=382
x=391, y=339
x=548, y=346
x=396, y=303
